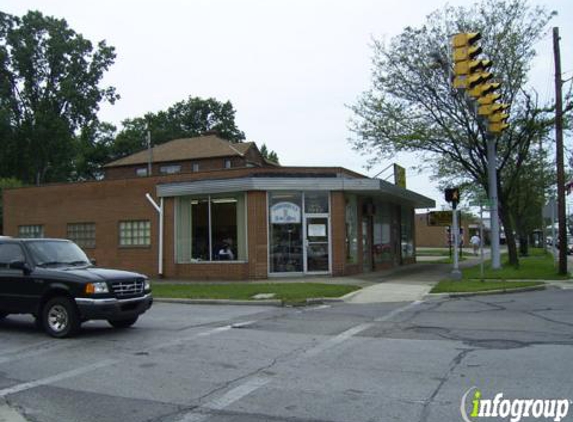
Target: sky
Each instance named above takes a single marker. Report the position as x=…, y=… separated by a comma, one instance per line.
x=290, y=68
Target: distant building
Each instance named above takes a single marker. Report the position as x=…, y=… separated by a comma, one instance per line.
x=223, y=212
x=438, y=236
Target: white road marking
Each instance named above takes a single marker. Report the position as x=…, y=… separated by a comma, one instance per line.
x=351, y=332
x=201, y=414
x=397, y=311
x=225, y=400
x=207, y=333
x=334, y=341
x=55, y=378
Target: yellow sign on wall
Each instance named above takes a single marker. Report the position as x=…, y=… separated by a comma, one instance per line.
x=399, y=176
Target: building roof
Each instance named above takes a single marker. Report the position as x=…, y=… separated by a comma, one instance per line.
x=209, y=146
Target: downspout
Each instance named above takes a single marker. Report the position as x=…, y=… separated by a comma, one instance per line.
x=160, y=210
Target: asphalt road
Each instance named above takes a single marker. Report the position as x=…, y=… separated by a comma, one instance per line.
x=344, y=362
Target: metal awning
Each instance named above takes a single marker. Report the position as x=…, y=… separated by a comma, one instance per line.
x=374, y=187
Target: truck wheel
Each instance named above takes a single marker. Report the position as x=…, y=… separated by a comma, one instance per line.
x=60, y=317
x=122, y=323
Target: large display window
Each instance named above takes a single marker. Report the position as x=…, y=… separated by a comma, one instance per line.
x=211, y=228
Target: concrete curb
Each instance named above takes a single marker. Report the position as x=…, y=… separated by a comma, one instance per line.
x=487, y=292
x=265, y=302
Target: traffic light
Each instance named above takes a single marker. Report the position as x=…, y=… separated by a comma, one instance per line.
x=497, y=121
x=483, y=89
x=453, y=196
x=464, y=51
x=486, y=110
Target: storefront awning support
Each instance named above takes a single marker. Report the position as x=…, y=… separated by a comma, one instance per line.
x=159, y=208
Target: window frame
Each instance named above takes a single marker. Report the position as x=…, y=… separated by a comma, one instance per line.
x=146, y=236
x=170, y=169
x=40, y=227
x=81, y=241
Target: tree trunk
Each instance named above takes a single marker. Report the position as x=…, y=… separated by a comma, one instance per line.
x=523, y=244
x=508, y=230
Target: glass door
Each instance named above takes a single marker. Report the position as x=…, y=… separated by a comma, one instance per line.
x=317, y=244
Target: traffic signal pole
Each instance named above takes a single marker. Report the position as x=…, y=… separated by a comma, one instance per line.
x=456, y=273
x=494, y=214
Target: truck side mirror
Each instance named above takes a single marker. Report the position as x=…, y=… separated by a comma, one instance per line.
x=20, y=265
x=93, y=261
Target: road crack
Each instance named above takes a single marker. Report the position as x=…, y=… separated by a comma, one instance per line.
x=456, y=361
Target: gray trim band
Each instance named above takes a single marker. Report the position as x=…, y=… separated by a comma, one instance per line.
x=372, y=186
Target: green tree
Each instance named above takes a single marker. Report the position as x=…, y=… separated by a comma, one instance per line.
x=185, y=119
x=269, y=155
x=411, y=105
x=94, y=147
x=6, y=183
x=49, y=90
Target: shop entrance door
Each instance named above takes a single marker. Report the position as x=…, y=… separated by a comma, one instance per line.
x=317, y=245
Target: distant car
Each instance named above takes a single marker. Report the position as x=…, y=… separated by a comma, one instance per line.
x=54, y=280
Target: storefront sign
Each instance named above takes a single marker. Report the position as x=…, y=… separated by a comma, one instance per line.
x=285, y=213
x=317, y=230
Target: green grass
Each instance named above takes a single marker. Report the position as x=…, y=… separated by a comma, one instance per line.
x=539, y=265
x=469, y=286
x=287, y=292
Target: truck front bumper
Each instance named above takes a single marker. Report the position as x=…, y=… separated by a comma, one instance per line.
x=111, y=308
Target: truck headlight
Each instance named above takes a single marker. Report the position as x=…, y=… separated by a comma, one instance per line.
x=146, y=284
x=97, y=287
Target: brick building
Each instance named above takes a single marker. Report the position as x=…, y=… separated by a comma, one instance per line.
x=210, y=209
x=438, y=236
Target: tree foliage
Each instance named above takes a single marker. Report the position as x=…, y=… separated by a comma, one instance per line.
x=269, y=155
x=49, y=91
x=412, y=107
x=185, y=119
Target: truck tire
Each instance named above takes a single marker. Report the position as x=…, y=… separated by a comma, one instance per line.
x=122, y=323
x=60, y=317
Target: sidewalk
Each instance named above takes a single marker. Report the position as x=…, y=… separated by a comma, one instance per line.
x=401, y=284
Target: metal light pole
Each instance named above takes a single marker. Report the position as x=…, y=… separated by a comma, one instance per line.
x=494, y=214
x=456, y=273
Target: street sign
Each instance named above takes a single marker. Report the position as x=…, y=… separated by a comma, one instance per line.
x=440, y=218
x=481, y=203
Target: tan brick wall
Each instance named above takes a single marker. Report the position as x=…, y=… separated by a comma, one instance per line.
x=338, y=224
x=257, y=234
x=435, y=236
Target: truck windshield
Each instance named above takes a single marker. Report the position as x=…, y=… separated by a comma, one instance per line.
x=51, y=252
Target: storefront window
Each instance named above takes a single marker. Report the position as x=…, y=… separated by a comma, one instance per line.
x=286, y=248
x=382, y=239
x=407, y=232
x=316, y=202
x=351, y=218
x=211, y=229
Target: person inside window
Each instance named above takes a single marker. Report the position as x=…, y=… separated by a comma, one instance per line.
x=225, y=253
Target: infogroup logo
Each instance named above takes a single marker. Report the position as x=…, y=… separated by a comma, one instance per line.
x=514, y=409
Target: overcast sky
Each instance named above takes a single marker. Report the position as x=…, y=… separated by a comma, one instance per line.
x=289, y=67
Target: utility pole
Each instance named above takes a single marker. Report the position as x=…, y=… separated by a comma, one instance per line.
x=559, y=155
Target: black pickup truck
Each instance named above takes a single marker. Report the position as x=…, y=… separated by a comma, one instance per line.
x=55, y=281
